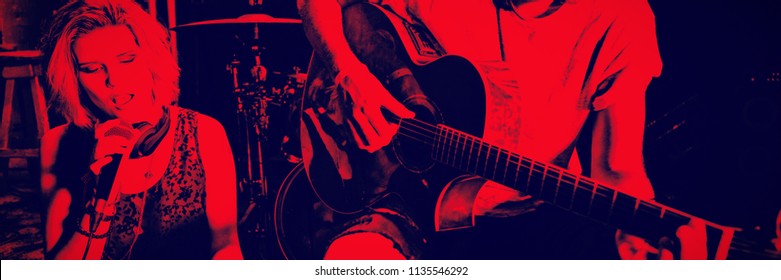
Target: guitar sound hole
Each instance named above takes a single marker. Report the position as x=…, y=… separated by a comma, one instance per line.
x=413, y=148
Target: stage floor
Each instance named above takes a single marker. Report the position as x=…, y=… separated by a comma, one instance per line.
x=21, y=231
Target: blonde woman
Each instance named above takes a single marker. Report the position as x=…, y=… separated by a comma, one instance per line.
x=130, y=175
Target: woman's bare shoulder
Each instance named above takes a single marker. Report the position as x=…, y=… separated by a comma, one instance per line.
x=208, y=125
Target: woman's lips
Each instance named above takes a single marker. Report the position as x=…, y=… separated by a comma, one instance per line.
x=122, y=99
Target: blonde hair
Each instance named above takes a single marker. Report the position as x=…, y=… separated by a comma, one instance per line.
x=78, y=18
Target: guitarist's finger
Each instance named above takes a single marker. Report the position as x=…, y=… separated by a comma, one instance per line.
x=666, y=255
x=364, y=121
x=632, y=247
x=380, y=125
x=625, y=251
x=397, y=108
x=384, y=130
x=628, y=251
x=365, y=134
x=385, y=133
x=693, y=240
x=360, y=141
x=641, y=253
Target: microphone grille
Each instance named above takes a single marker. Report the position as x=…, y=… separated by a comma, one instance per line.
x=119, y=131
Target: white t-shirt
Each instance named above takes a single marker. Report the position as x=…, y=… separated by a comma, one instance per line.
x=542, y=93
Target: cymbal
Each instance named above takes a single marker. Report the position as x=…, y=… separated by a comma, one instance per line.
x=245, y=19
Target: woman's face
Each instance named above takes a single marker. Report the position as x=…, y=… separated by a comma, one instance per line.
x=115, y=75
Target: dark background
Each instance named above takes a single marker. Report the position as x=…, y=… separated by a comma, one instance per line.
x=713, y=116
x=712, y=131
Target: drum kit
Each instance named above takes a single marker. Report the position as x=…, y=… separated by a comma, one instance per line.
x=266, y=113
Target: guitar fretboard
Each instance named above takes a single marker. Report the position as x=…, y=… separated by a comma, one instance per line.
x=552, y=184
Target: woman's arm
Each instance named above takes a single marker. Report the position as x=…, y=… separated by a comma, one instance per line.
x=220, y=188
x=61, y=243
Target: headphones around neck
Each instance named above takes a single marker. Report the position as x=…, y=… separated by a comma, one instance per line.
x=150, y=137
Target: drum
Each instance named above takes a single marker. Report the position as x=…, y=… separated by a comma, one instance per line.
x=302, y=223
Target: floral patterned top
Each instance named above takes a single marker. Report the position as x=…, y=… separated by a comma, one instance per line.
x=173, y=218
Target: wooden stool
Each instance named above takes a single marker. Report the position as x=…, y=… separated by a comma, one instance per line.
x=21, y=66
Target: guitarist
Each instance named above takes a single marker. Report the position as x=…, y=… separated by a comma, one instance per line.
x=550, y=64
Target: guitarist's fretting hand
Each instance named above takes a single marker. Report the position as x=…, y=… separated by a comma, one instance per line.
x=692, y=238
x=369, y=127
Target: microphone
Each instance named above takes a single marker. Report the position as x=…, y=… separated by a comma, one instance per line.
x=105, y=181
x=147, y=142
x=109, y=171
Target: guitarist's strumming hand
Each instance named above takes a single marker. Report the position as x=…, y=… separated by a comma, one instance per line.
x=367, y=96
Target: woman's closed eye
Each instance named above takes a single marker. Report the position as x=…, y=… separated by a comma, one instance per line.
x=90, y=68
x=127, y=58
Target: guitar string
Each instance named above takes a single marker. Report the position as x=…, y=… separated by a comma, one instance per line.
x=648, y=207
x=614, y=202
x=482, y=145
x=742, y=245
x=428, y=129
x=737, y=244
x=499, y=151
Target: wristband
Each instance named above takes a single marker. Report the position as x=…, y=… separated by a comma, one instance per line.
x=87, y=233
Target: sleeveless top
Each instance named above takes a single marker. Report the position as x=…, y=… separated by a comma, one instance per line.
x=172, y=212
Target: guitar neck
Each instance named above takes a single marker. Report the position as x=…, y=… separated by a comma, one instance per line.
x=552, y=184
x=572, y=192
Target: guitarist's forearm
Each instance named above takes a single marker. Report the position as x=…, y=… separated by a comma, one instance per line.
x=322, y=22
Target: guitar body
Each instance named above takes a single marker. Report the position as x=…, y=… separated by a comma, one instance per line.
x=348, y=179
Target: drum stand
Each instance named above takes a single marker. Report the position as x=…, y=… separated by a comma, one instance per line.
x=253, y=120
x=258, y=93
